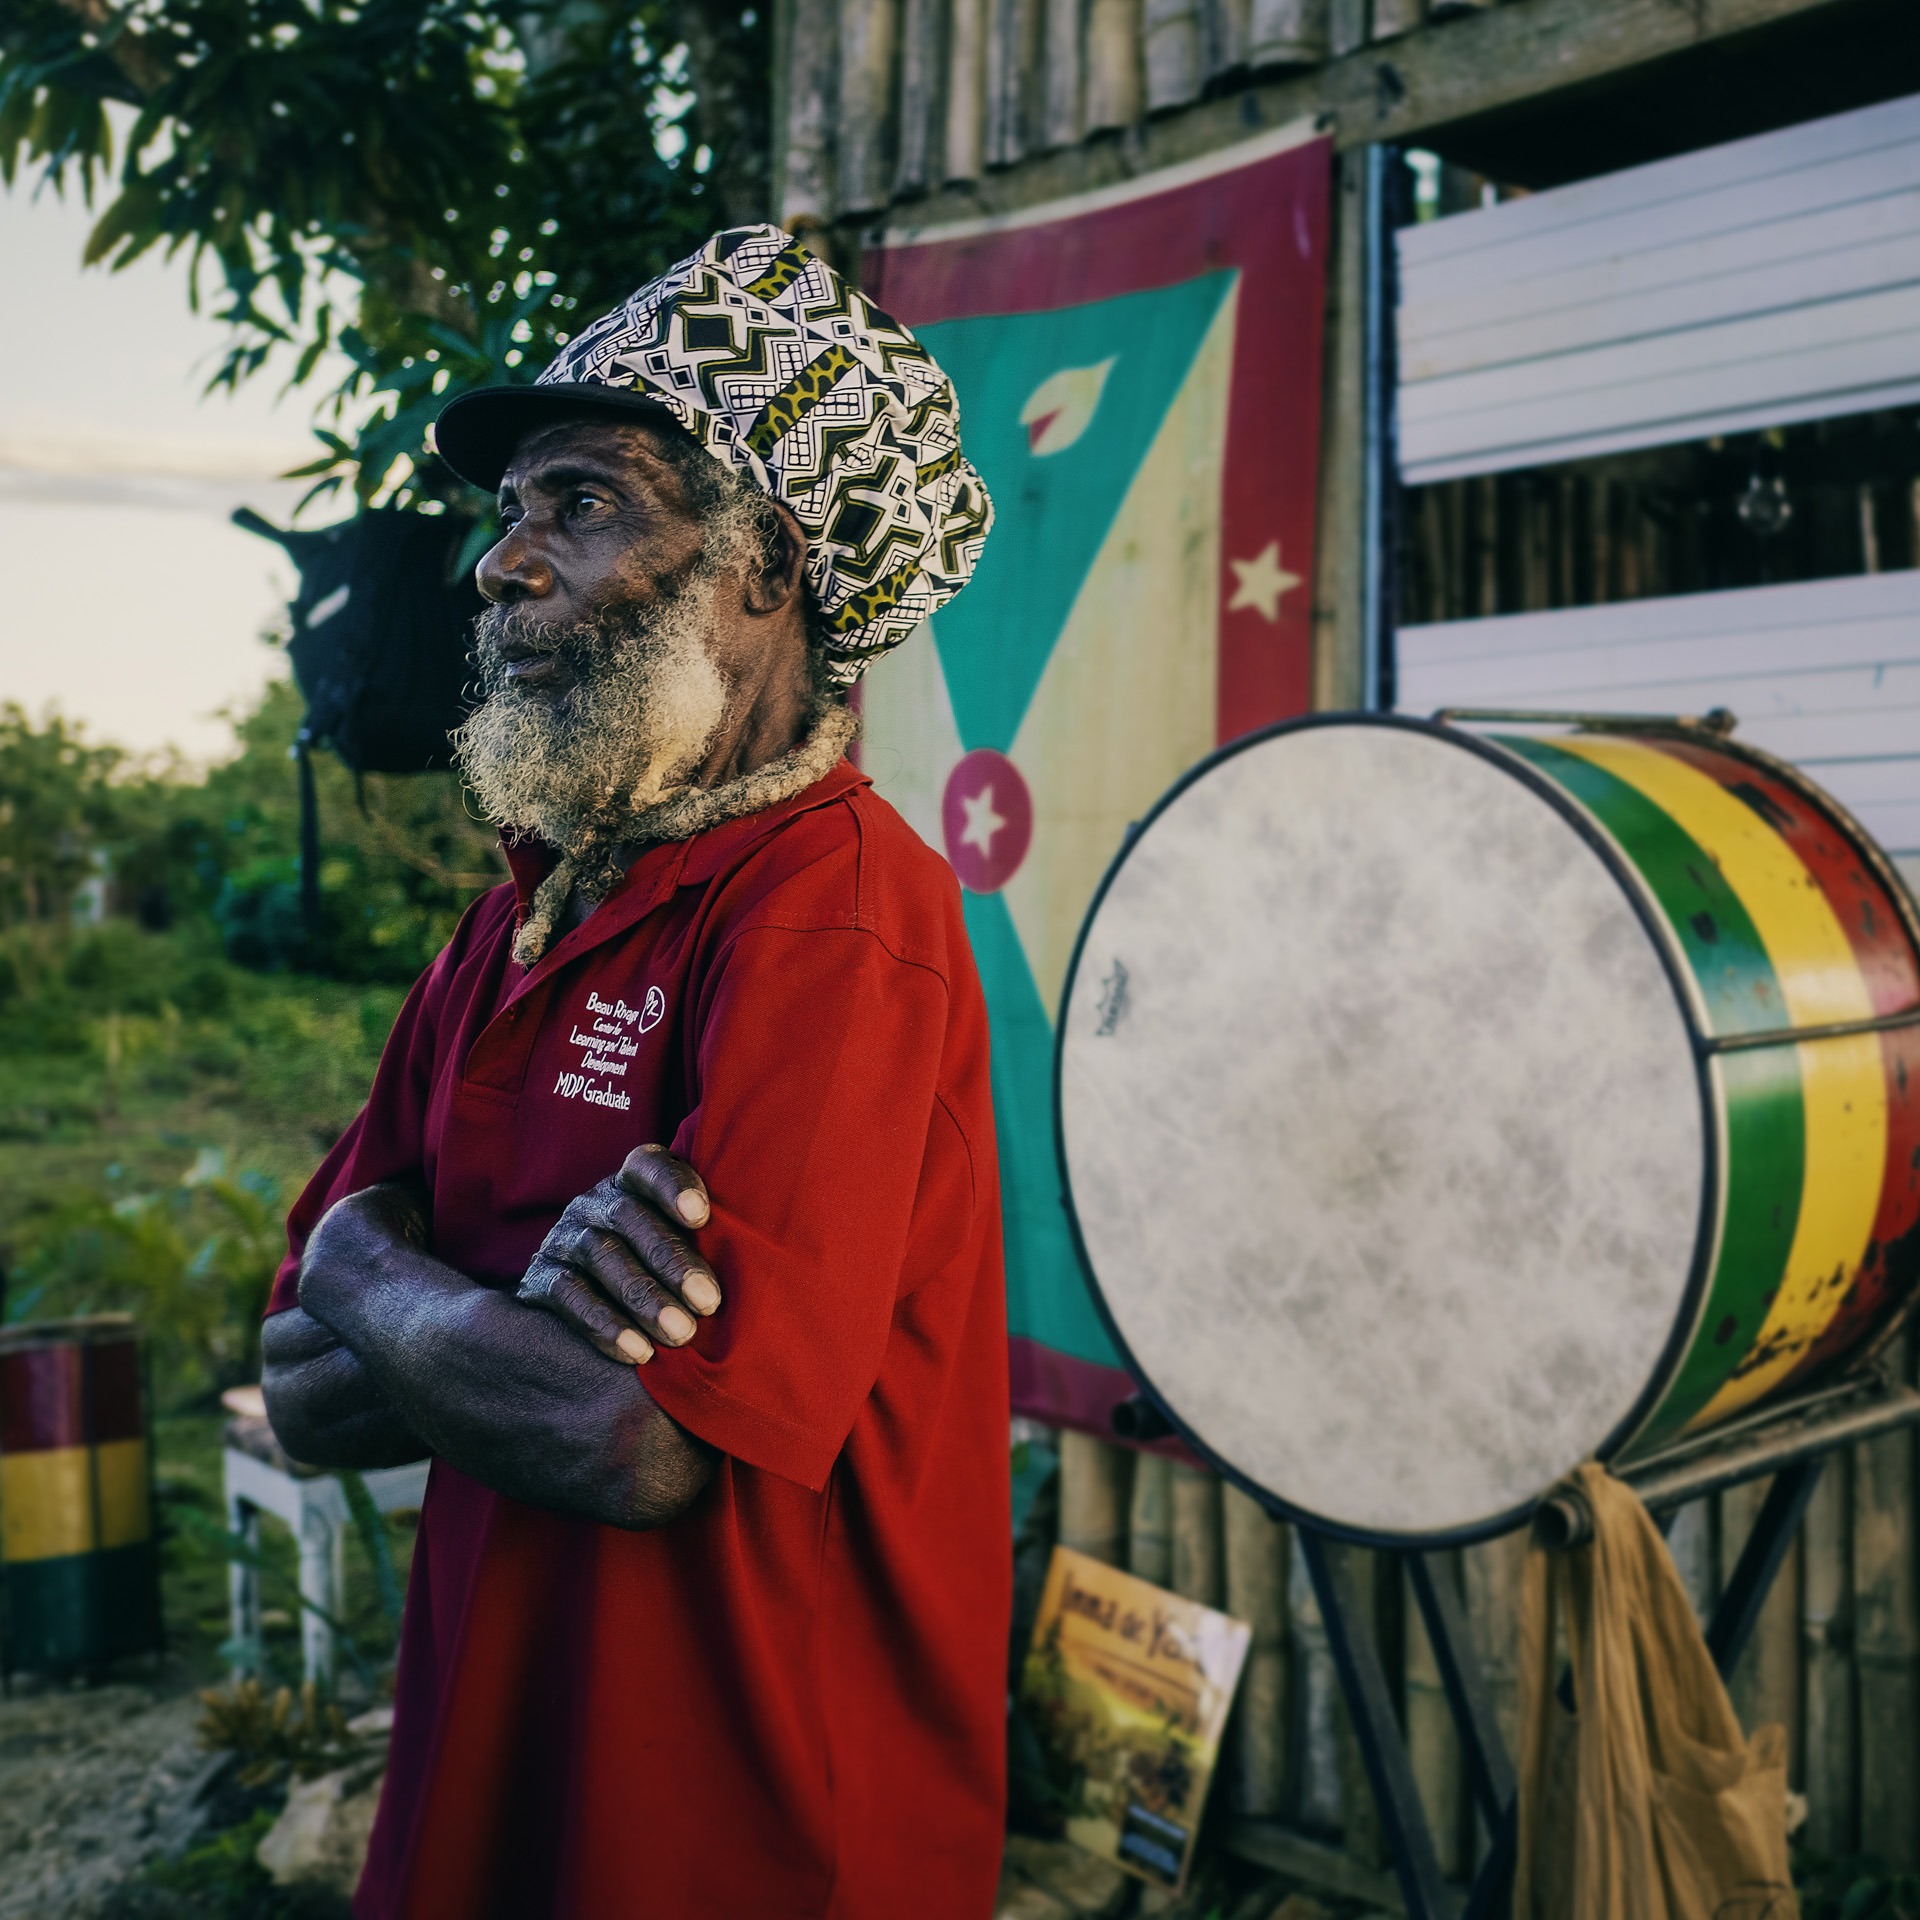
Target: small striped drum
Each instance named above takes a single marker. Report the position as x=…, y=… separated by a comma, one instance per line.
x=76, y=1527
x=1439, y=1109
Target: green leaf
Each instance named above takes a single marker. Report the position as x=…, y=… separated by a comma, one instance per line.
x=134, y=215
x=373, y=1538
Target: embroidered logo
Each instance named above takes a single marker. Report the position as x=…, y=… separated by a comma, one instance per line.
x=603, y=1033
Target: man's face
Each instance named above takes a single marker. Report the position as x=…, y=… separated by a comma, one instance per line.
x=595, y=519
x=599, y=660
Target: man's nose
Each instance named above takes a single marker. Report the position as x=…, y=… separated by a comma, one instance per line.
x=514, y=568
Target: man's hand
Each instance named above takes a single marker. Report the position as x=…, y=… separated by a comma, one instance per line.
x=392, y=1354
x=619, y=1267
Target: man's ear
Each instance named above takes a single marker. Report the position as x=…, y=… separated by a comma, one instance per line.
x=781, y=584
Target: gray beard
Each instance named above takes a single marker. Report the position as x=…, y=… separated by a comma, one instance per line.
x=646, y=702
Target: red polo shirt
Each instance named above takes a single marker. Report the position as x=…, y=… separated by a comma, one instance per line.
x=791, y=1700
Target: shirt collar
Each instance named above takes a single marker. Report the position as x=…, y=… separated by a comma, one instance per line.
x=661, y=869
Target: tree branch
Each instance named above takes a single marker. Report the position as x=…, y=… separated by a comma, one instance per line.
x=142, y=63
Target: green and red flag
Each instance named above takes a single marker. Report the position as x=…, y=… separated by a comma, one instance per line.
x=1138, y=371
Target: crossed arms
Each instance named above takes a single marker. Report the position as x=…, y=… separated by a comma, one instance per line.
x=392, y=1354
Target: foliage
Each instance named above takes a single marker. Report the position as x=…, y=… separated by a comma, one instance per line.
x=442, y=188
x=55, y=803
x=400, y=857
x=221, y=1880
x=194, y=1265
x=1857, y=1889
x=271, y=1739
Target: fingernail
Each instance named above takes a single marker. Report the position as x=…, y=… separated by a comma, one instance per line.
x=700, y=1293
x=633, y=1347
x=675, y=1324
x=694, y=1208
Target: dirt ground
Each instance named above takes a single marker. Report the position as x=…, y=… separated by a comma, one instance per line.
x=94, y=1783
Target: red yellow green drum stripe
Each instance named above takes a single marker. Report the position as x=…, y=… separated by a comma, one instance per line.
x=76, y=1527
x=1882, y=947
x=1766, y=949
x=1756, y=1105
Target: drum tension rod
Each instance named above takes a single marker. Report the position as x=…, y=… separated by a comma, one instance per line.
x=1719, y=721
x=1708, y=1043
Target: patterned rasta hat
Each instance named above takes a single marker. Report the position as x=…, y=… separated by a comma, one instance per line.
x=784, y=372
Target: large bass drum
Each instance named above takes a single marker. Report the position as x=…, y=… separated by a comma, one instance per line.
x=1438, y=1110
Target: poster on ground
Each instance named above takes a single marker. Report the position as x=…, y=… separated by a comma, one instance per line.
x=1139, y=380
x=1126, y=1689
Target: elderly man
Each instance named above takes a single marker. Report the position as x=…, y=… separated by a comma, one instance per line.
x=709, y=1604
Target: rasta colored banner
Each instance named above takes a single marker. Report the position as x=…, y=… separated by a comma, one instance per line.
x=1138, y=372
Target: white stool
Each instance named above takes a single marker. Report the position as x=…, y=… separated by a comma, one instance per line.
x=260, y=1479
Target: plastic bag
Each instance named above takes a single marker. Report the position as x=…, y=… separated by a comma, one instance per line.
x=1645, y=1802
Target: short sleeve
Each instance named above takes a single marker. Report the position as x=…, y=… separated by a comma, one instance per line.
x=387, y=1138
x=818, y=1052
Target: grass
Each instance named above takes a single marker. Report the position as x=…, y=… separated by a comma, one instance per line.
x=126, y=1053
x=130, y=1063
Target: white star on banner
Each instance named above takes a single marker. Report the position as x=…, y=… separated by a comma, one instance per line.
x=982, y=822
x=1260, y=582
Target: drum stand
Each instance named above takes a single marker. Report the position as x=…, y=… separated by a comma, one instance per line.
x=1790, y=1442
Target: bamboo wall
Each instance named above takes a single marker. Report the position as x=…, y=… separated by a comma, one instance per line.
x=1835, y=1658
x=888, y=101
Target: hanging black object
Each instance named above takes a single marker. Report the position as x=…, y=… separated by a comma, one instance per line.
x=381, y=635
x=381, y=638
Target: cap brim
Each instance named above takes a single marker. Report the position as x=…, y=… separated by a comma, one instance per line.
x=477, y=432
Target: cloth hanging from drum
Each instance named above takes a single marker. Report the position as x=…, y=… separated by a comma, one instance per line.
x=1645, y=1802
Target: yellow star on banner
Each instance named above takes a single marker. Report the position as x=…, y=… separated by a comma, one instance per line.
x=982, y=821
x=1260, y=582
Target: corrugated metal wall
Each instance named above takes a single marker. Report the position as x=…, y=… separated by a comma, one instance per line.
x=1765, y=281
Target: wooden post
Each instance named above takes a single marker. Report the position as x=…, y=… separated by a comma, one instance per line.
x=1313, y=1747
x=1224, y=25
x=1433, y=1743
x=1486, y=543
x=1012, y=55
x=1826, y=1631
x=1150, y=1520
x=1349, y=26
x=1095, y=1482
x=1113, y=96
x=1600, y=510
x=916, y=169
x=966, y=116
x=804, y=187
x=1392, y=18
x=1887, y=1643
x=1765, y=1682
x=1060, y=104
x=868, y=30
x=1565, y=509
x=1256, y=1556
x=1171, y=40
x=1197, y=1570
x=1287, y=33
x=1339, y=562
x=1491, y=1575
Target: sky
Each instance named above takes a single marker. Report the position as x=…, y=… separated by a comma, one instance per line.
x=133, y=605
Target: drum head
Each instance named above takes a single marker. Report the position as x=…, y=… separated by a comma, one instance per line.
x=1381, y=1127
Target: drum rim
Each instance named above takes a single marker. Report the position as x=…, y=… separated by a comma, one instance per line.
x=1691, y=1306
x=76, y=1330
